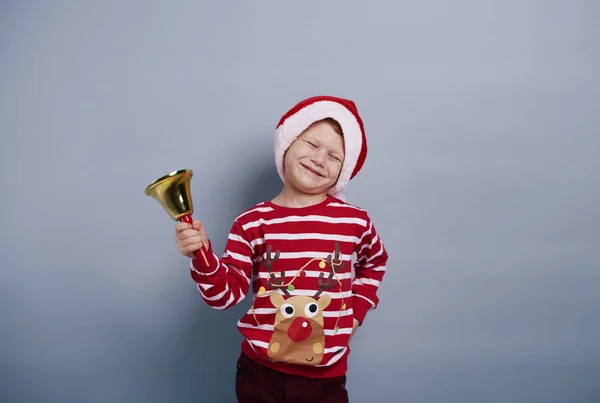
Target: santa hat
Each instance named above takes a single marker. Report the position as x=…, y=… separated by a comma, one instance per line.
x=313, y=109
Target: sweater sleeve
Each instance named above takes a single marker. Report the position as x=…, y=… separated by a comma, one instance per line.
x=369, y=271
x=225, y=282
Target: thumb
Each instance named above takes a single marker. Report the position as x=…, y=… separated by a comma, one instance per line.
x=196, y=225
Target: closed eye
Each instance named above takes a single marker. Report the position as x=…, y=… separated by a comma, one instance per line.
x=311, y=144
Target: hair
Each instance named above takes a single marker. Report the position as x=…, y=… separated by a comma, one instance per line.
x=334, y=123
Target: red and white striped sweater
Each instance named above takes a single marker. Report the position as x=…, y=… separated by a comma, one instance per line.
x=307, y=285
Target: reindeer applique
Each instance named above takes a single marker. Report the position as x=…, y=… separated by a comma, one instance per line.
x=298, y=335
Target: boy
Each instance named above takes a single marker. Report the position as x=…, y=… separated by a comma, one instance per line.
x=296, y=251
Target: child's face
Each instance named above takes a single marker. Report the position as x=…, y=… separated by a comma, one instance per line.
x=313, y=162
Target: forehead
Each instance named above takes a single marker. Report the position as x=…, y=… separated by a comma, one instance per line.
x=325, y=133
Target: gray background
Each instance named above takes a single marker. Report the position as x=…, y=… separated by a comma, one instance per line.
x=482, y=179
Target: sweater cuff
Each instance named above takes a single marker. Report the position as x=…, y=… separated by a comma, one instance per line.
x=360, y=307
x=213, y=263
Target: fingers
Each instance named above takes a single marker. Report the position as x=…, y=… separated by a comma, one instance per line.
x=190, y=245
x=195, y=239
x=190, y=237
x=186, y=233
x=182, y=226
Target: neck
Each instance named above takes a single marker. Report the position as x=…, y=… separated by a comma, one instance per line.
x=293, y=198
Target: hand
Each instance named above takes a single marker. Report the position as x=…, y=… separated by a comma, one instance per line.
x=355, y=326
x=190, y=237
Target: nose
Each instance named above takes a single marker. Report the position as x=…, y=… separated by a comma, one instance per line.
x=318, y=158
x=299, y=330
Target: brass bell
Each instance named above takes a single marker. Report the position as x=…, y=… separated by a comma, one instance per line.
x=172, y=191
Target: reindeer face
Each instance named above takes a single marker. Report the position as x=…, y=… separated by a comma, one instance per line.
x=298, y=335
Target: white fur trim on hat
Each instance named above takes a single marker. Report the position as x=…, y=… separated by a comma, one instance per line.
x=294, y=125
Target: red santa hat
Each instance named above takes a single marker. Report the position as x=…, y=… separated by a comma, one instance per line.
x=313, y=109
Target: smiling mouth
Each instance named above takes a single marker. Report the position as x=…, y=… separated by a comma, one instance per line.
x=311, y=359
x=312, y=171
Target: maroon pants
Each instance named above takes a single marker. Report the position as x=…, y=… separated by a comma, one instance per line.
x=255, y=383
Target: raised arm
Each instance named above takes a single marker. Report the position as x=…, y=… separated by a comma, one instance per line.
x=225, y=282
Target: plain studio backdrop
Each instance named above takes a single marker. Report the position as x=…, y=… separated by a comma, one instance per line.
x=482, y=178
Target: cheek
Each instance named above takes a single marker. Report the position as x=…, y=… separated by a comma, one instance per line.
x=335, y=169
x=289, y=166
x=290, y=154
x=287, y=157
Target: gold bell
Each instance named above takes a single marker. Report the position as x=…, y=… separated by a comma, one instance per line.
x=172, y=191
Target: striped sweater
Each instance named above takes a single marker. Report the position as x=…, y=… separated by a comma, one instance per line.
x=311, y=269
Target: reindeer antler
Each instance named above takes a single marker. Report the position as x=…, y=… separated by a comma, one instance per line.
x=338, y=262
x=335, y=265
x=273, y=281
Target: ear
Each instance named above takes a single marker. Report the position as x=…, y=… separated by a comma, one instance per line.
x=324, y=301
x=277, y=299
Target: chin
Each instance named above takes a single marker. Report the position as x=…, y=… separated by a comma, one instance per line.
x=313, y=190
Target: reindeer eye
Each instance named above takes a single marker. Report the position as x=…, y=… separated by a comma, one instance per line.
x=311, y=309
x=287, y=310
